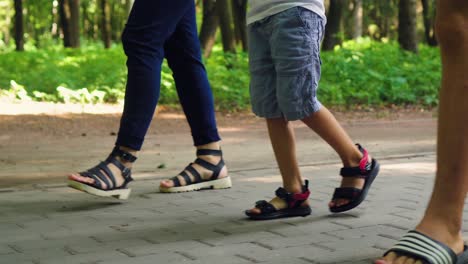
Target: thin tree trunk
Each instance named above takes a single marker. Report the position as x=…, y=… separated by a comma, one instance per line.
x=239, y=11
x=407, y=35
x=357, y=19
x=332, y=31
x=70, y=22
x=6, y=31
x=105, y=23
x=429, y=22
x=19, y=25
x=209, y=27
x=54, y=29
x=225, y=21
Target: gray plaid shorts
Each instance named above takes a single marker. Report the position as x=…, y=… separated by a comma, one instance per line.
x=284, y=51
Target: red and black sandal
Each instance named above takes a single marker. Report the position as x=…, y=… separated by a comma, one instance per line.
x=293, y=200
x=367, y=170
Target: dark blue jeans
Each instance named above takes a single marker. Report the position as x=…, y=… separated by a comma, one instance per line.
x=158, y=29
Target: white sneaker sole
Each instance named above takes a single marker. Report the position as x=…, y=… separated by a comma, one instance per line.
x=121, y=194
x=223, y=183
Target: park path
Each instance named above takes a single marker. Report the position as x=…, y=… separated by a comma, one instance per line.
x=43, y=221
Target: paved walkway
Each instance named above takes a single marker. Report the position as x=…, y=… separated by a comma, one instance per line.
x=50, y=223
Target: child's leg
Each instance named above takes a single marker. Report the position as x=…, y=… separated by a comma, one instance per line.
x=283, y=142
x=292, y=199
x=327, y=127
x=284, y=146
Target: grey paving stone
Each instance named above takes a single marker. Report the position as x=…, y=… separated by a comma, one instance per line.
x=57, y=225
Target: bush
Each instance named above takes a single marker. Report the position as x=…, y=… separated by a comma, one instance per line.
x=360, y=72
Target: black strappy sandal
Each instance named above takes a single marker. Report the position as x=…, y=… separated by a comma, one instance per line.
x=198, y=183
x=294, y=201
x=368, y=170
x=96, y=173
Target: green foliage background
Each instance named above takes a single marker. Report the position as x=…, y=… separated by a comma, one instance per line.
x=362, y=72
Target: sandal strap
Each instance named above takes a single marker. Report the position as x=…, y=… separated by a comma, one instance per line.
x=216, y=169
x=205, y=164
x=209, y=152
x=265, y=207
x=194, y=173
x=126, y=172
x=103, y=166
x=294, y=199
x=97, y=172
x=361, y=171
x=346, y=193
x=176, y=181
x=124, y=155
x=186, y=177
x=417, y=245
x=97, y=183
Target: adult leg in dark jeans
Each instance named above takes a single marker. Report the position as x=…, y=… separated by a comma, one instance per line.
x=183, y=54
x=443, y=218
x=150, y=25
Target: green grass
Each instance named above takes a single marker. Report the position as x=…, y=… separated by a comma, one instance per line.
x=359, y=73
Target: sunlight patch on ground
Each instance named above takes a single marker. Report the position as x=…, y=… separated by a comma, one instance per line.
x=411, y=167
x=265, y=179
x=37, y=108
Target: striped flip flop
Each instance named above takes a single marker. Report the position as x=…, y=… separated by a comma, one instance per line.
x=421, y=247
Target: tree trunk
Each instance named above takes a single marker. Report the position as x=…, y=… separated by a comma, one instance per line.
x=209, y=27
x=225, y=21
x=407, y=35
x=429, y=19
x=332, y=30
x=19, y=25
x=105, y=23
x=70, y=22
x=239, y=11
x=357, y=19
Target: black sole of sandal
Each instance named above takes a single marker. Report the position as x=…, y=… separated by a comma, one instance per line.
x=301, y=211
x=365, y=190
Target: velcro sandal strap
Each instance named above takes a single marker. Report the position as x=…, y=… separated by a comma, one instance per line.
x=283, y=194
x=364, y=168
x=265, y=207
x=346, y=193
x=421, y=247
x=294, y=199
x=194, y=173
x=352, y=172
x=124, y=155
x=209, y=152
